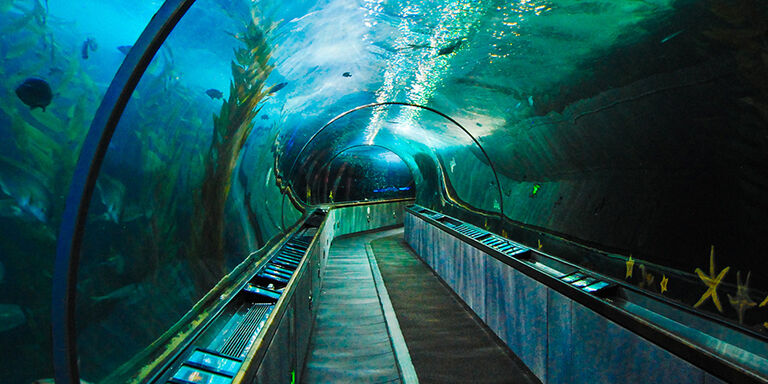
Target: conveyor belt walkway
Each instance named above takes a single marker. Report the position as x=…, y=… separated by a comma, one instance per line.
x=437, y=339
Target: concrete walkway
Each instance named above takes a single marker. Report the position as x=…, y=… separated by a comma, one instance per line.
x=350, y=341
x=447, y=342
x=368, y=296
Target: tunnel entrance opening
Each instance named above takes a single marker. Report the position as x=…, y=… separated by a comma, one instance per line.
x=437, y=149
x=361, y=173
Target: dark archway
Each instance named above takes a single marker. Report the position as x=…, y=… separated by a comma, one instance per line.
x=290, y=173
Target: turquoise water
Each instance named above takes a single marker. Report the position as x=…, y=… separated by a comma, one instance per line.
x=633, y=129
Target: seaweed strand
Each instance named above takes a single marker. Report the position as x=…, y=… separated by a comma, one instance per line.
x=232, y=126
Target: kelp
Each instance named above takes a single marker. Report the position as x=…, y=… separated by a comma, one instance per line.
x=259, y=199
x=164, y=166
x=47, y=142
x=43, y=147
x=231, y=128
x=31, y=11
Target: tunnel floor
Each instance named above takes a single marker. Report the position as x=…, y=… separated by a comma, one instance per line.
x=446, y=342
x=350, y=342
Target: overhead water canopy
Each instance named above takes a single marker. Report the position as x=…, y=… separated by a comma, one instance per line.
x=611, y=133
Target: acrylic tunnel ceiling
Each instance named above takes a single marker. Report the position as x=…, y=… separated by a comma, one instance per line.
x=635, y=128
x=628, y=126
x=616, y=134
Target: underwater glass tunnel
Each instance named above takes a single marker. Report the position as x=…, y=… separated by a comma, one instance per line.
x=151, y=151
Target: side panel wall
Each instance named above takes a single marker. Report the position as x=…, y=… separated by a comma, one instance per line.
x=288, y=349
x=560, y=340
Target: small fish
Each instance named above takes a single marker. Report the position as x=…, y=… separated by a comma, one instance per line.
x=111, y=194
x=124, y=49
x=277, y=87
x=419, y=46
x=450, y=48
x=672, y=36
x=11, y=316
x=265, y=117
x=88, y=45
x=130, y=290
x=35, y=93
x=346, y=74
x=214, y=93
x=116, y=262
x=22, y=208
x=530, y=101
x=312, y=70
x=22, y=194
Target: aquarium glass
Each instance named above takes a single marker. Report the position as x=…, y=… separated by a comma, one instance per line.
x=171, y=214
x=56, y=63
x=627, y=137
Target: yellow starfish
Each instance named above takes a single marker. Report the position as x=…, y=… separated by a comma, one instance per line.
x=504, y=234
x=630, y=266
x=741, y=302
x=540, y=244
x=711, y=282
x=330, y=196
x=664, y=282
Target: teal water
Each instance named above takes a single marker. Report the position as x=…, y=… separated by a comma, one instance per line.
x=631, y=128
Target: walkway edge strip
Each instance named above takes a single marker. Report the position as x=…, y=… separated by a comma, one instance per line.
x=402, y=356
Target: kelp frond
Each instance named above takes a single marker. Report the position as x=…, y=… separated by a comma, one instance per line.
x=233, y=124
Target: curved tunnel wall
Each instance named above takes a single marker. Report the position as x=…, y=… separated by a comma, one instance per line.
x=402, y=127
x=362, y=173
x=157, y=191
x=633, y=144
